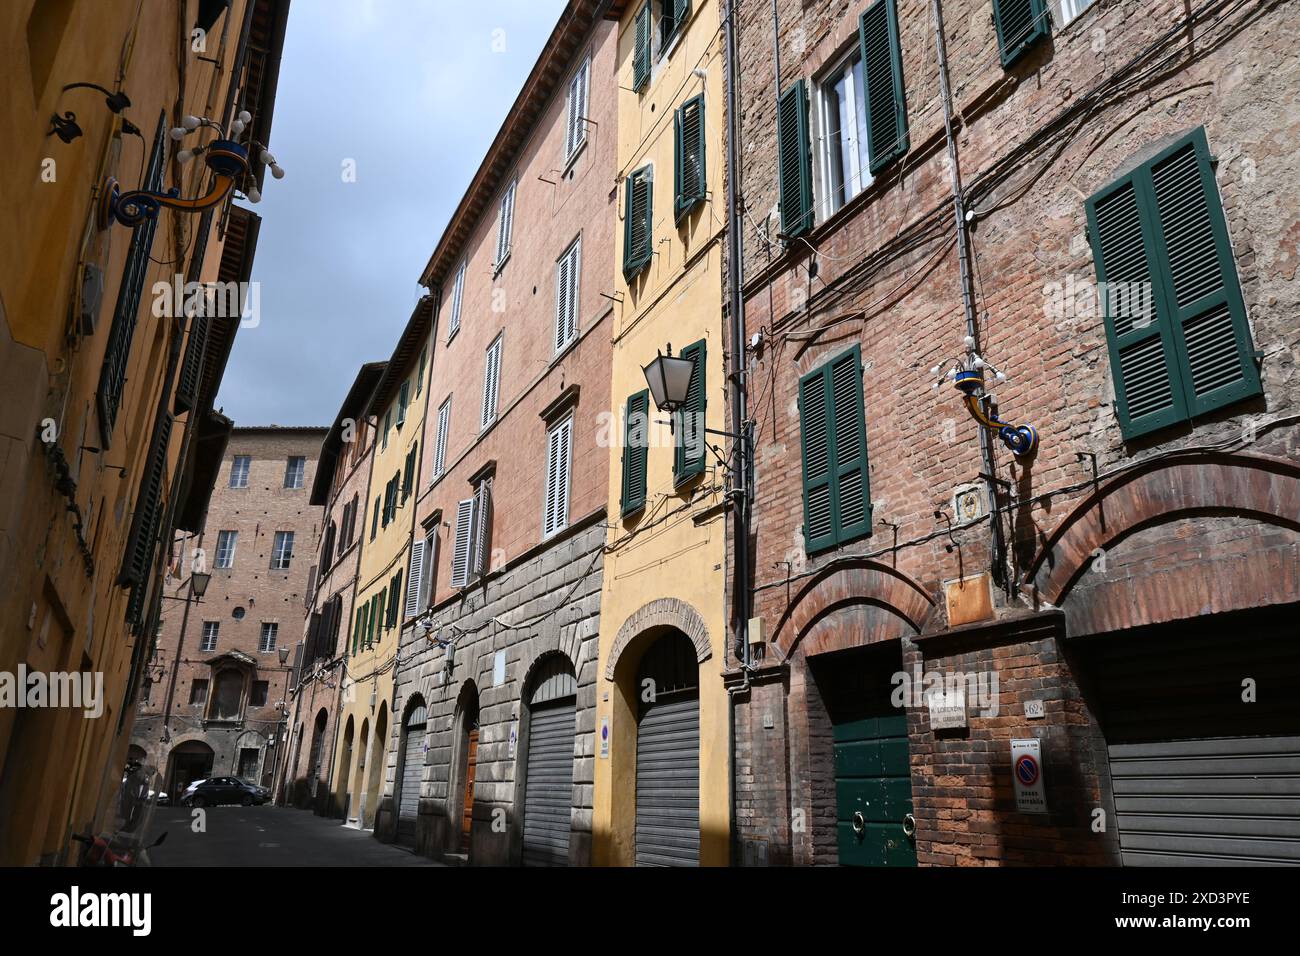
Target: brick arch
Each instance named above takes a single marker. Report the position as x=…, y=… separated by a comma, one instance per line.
x=1184, y=485
x=861, y=582
x=663, y=612
x=568, y=642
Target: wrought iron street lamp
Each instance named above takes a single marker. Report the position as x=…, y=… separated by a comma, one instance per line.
x=669, y=379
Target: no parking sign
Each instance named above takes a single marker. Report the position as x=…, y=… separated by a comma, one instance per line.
x=1027, y=776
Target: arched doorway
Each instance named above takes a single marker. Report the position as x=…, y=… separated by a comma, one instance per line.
x=548, y=735
x=344, y=794
x=466, y=750
x=189, y=761
x=375, y=762
x=316, y=752
x=357, y=812
x=668, y=753
x=411, y=772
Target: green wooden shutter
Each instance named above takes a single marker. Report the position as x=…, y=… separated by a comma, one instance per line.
x=882, y=71
x=849, y=448
x=1217, y=356
x=688, y=171
x=832, y=421
x=638, y=242
x=138, y=559
x=641, y=48
x=1175, y=321
x=1020, y=24
x=187, y=387
x=794, y=160
x=690, y=448
x=636, y=432
x=357, y=628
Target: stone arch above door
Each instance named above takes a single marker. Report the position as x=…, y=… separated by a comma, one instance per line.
x=663, y=612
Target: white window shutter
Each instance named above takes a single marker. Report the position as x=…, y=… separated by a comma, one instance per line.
x=558, y=451
x=457, y=294
x=562, y=303
x=491, y=383
x=430, y=568
x=440, y=449
x=460, y=553
x=575, y=271
x=413, y=578
x=482, y=531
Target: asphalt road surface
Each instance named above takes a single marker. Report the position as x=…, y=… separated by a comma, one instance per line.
x=268, y=836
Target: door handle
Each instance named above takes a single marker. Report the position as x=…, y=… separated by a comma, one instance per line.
x=909, y=825
x=859, y=823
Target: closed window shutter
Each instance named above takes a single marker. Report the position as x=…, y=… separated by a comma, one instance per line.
x=794, y=160
x=832, y=423
x=357, y=627
x=482, y=538
x=882, y=70
x=505, y=223
x=1175, y=320
x=688, y=130
x=641, y=49
x=148, y=508
x=117, y=353
x=635, y=451
x=558, y=442
x=1020, y=24
x=430, y=568
x=457, y=296
x=576, y=127
x=408, y=474
x=440, y=451
x=460, y=552
x=187, y=387
x=637, y=217
x=566, y=296
x=852, y=498
x=381, y=614
x=491, y=382
x=690, y=448
x=395, y=600
x=413, y=579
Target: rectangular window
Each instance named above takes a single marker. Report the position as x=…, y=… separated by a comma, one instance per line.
x=641, y=49
x=210, y=631
x=258, y=695
x=440, y=449
x=295, y=471
x=239, y=471
x=505, y=225
x=794, y=160
x=408, y=473
x=469, y=557
x=430, y=569
x=567, y=272
x=673, y=15
x=559, y=462
x=403, y=402
x=266, y=643
x=638, y=213
x=832, y=424
x=1063, y=11
x=688, y=171
x=282, y=551
x=1020, y=24
x=117, y=353
x=412, y=605
x=424, y=364
x=199, y=692
x=1175, y=321
x=457, y=297
x=388, y=426
x=843, y=118
x=374, y=520
x=690, y=446
x=358, y=628
x=226, y=541
x=636, y=430
x=491, y=382
x=880, y=82
x=380, y=619
x=575, y=132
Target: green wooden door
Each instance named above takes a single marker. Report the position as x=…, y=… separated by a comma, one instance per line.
x=873, y=792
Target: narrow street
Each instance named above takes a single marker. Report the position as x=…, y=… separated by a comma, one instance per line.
x=269, y=836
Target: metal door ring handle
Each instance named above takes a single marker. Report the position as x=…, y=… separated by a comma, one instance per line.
x=859, y=822
x=909, y=825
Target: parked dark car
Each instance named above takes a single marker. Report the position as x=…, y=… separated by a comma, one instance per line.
x=218, y=790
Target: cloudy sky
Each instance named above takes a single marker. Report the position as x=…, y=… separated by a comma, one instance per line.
x=413, y=91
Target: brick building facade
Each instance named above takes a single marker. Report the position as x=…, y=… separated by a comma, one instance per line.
x=218, y=682
x=503, y=587
x=340, y=488
x=1127, y=587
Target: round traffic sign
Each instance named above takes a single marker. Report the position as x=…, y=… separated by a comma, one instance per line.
x=1027, y=770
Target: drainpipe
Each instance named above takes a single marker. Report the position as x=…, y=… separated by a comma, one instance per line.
x=968, y=289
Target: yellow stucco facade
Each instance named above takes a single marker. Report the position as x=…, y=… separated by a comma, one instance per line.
x=59, y=770
x=370, y=653
x=666, y=564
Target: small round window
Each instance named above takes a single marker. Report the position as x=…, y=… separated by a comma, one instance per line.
x=237, y=614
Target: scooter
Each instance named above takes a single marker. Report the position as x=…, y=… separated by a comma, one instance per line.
x=124, y=844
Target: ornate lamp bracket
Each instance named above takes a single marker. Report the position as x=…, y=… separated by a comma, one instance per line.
x=967, y=375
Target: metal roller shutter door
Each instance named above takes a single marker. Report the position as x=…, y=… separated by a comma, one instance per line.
x=1201, y=777
x=412, y=772
x=548, y=793
x=668, y=783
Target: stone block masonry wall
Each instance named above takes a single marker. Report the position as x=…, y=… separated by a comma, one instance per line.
x=554, y=595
